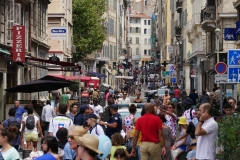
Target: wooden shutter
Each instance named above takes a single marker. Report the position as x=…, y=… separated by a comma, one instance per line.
x=10, y=19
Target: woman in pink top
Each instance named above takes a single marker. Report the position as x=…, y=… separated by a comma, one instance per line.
x=107, y=93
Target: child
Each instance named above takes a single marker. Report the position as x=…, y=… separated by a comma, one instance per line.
x=227, y=109
x=117, y=143
x=120, y=154
x=192, y=154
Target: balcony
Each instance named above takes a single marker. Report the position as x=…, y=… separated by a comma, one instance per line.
x=178, y=31
x=179, y=6
x=196, y=25
x=208, y=17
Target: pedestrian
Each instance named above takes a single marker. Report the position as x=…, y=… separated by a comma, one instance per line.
x=95, y=128
x=204, y=98
x=114, y=124
x=155, y=100
x=124, y=100
x=151, y=135
x=71, y=146
x=60, y=120
x=194, y=97
x=181, y=145
x=61, y=135
x=97, y=109
x=118, y=143
x=177, y=93
x=50, y=149
x=127, y=122
x=189, y=113
x=73, y=111
x=192, y=153
x=88, y=147
x=165, y=97
x=207, y=131
x=168, y=138
x=233, y=103
x=81, y=117
x=19, y=109
x=120, y=154
x=138, y=99
x=64, y=98
x=6, y=136
x=139, y=138
x=47, y=114
x=31, y=127
x=12, y=121
x=107, y=93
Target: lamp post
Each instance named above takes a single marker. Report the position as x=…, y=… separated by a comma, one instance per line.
x=217, y=34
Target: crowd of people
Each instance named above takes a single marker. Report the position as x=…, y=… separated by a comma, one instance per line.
x=72, y=132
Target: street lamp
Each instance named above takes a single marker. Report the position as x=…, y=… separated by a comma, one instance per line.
x=217, y=34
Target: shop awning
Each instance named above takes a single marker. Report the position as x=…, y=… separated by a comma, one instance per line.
x=83, y=78
x=5, y=51
x=58, y=76
x=124, y=77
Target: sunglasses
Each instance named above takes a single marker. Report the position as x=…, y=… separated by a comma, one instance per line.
x=71, y=137
x=169, y=107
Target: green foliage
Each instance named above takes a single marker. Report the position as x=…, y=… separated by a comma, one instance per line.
x=74, y=87
x=229, y=130
x=88, y=30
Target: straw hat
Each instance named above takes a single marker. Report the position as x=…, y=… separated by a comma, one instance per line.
x=89, y=141
x=194, y=142
x=182, y=120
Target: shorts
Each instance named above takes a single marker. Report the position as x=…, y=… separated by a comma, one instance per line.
x=182, y=148
x=31, y=136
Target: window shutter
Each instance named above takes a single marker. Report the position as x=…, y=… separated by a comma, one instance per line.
x=10, y=19
x=26, y=30
x=111, y=52
x=18, y=14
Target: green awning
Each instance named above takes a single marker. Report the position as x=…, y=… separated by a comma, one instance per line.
x=5, y=51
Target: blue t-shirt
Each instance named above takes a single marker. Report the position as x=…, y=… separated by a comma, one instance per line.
x=46, y=156
x=19, y=112
x=115, y=118
x=79, y=119
x=68, y=152
x=191, y=154
x=15, y=141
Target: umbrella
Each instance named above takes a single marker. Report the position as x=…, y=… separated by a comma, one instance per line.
x=38, y=86
x=53, y=78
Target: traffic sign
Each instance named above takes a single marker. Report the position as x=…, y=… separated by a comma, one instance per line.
x=174, y=80
x=165, y=74
x=221, y=67
x=233, y=75
x=233, y=57
x=220, y=78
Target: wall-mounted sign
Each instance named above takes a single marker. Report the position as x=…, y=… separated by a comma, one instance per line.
x=238, y=28
x=18, y=46
x=230, y=34
x=58, y=33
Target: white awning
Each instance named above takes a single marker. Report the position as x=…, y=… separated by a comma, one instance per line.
x=124, y=77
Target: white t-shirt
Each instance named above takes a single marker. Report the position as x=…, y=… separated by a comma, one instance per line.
x=206, y=144
x=124, y=101
x=97, y=109
x=10, y=154
x=97, y=131
x=59, y=122
x=35, y=128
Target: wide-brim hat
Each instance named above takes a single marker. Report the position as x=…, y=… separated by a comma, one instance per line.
x=182, y=120
x=89, y=141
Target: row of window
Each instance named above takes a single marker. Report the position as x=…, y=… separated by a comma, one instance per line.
x=146, y=41
x=138, y=30
x=110, y=52
x=138, y=21
x=145, y=51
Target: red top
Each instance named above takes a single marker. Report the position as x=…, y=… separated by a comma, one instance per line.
x=149, y=125
x=177, y=93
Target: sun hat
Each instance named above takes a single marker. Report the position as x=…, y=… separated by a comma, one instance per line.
x=89, y=141
x=182, y=120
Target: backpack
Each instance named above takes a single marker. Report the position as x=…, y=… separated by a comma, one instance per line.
x=14, y=122
x=30, y=123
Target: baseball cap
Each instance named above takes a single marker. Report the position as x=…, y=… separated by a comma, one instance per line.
x=84, y=106
x=92, y=116
x=114, y=106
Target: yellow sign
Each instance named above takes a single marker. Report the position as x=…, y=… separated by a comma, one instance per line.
x=146, y=59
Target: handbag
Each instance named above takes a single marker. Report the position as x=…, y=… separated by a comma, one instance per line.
x=174, y=154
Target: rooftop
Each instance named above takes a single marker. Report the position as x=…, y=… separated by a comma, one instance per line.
x=139, y=15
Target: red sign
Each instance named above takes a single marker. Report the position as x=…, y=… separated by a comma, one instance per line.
x=18, y=47
x=220, y=67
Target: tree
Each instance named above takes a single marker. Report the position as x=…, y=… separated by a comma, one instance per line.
x=88, y=29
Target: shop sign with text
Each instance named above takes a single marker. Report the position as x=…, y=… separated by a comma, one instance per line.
x=18, y=47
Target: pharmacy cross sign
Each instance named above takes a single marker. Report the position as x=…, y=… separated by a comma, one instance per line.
x=220, y=67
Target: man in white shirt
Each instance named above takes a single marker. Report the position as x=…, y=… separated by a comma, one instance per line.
x=98, y=110
x=60, y=120
x=124, y=100
x=47, y=114
x=95, y=128
x=207, y=131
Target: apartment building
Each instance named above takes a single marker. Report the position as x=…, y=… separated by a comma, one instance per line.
x=32, y=14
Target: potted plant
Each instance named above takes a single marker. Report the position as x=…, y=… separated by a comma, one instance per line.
x=228, y=137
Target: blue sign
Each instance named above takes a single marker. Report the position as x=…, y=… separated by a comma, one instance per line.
x=233, y=57
x=221, y=67
x=174, y=80
x=238, y=28
x=58, y=31
x=230, y=34
x=233, y=75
